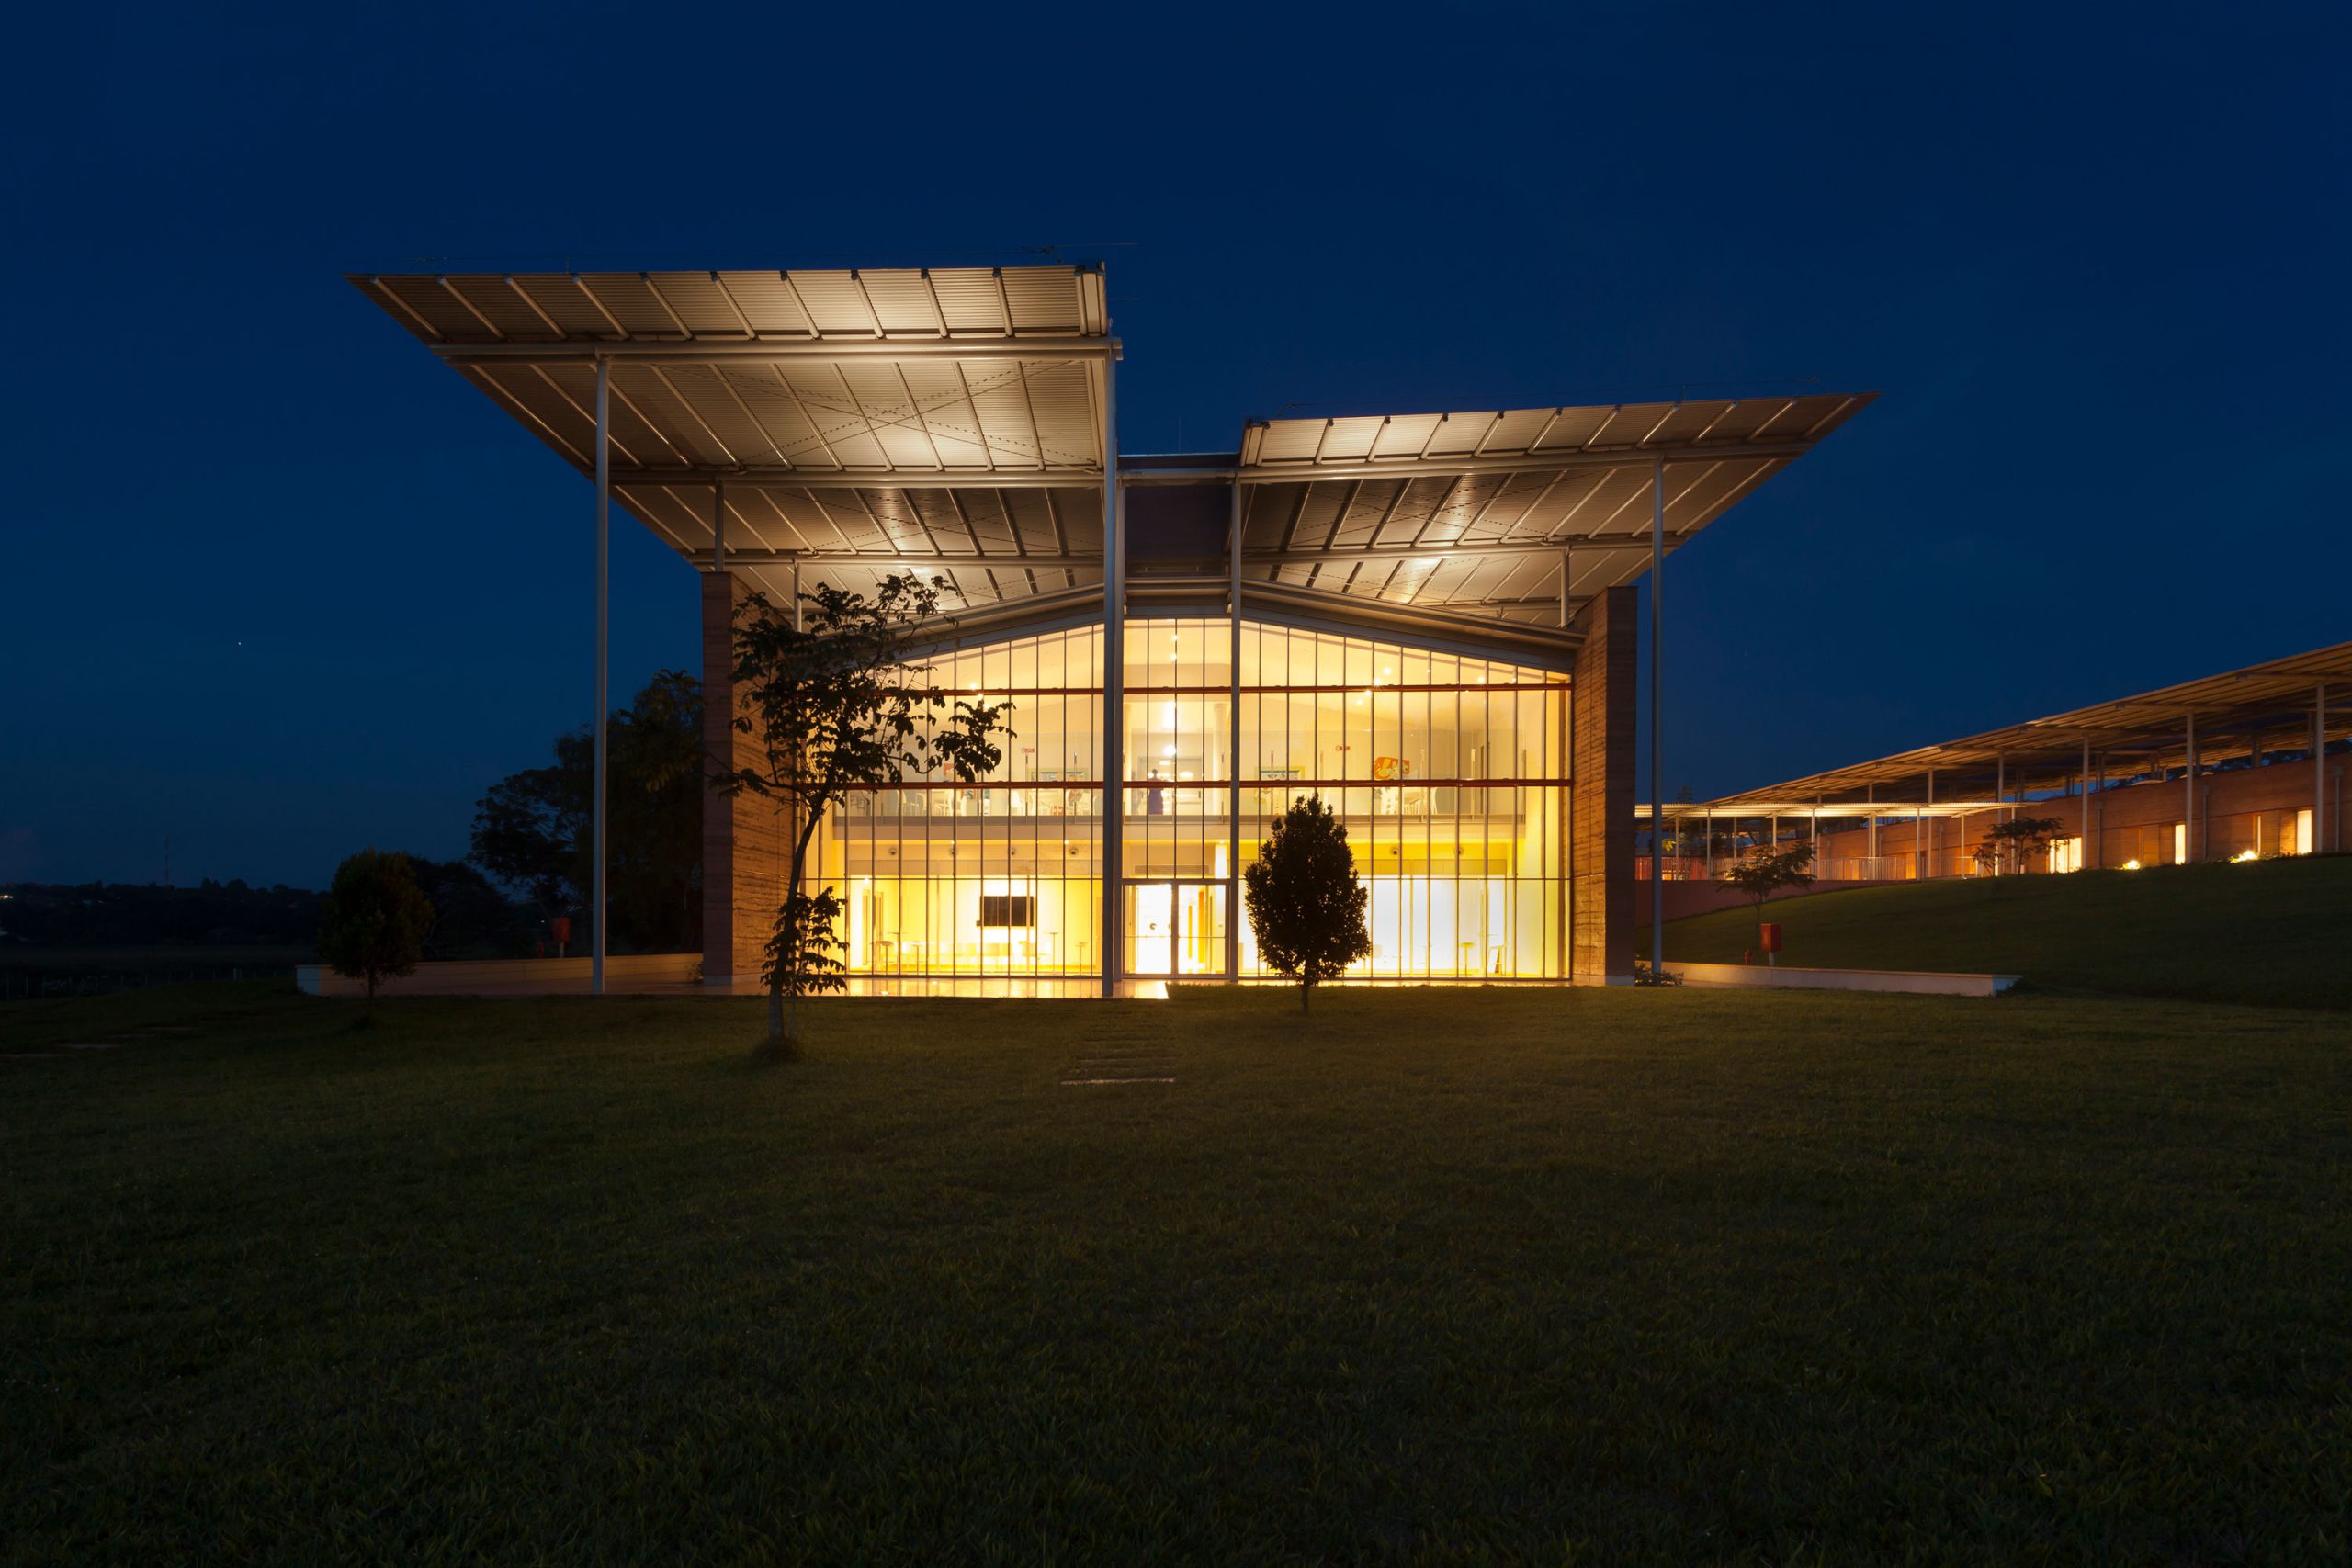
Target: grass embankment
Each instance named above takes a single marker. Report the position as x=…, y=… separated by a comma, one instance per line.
x=31, y=973
x=1596, y=1275
x=2264, y=934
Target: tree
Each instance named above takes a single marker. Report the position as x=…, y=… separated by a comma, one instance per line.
x=1763, y=873
x=2009, y=845
x=375, y=920
x=472, y=919
x=840, y=702
x=528, y=833
x=533, y=830
x=1306, y=902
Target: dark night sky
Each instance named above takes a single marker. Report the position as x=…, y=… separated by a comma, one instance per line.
x=279, y=586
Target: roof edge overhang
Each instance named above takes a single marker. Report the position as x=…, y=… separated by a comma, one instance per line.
x=2223, y=704
x=921, y=389
x=702, y=351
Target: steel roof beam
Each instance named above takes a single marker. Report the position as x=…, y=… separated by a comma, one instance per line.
x=833, y=478
x=885, y=559
x=1439, y=553
x=1521, y=463
x=672, y=351
x=1334, y=473
x=1433, y=554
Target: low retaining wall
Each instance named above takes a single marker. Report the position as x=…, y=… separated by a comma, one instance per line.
x=1915, y=982
x=513, y=977
x=1685, y=898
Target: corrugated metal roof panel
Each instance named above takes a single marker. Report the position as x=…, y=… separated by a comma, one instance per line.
x=424, y=308
x=837, y=304
x=903, y=303
x=630, y=300
x=1568, y=428
x=1044, y=300
x=770, y=304
x=1405, y=435
x=567, y=302
x=509, y=314
x=1458, y=435
x=1344, y=438
x=547, y=414
x=1411, y=486
x=696, y=299
x=650, y=392
x=970, y=301
x=1683, y=422
x=1000, y=402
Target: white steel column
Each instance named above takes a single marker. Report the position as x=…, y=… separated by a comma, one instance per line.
x=1114, y=572
x=604, y=640
x=1233, y=915
x=2318, y=770
x=1870, y=795
x=1919, y=831
x=1657, y=778
x=2085, y=859
x=2000, y=794
x=2188, y=801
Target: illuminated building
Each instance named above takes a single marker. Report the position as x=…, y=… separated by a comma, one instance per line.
x=1427, y=620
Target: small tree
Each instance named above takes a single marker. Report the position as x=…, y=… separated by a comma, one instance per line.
x=375, y=921
x=837, y=703
x=1306, y=902
x=2009, y=845
x=1764, y=872
x=531, y=829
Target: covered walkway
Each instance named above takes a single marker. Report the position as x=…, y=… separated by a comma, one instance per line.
x=2245, y=764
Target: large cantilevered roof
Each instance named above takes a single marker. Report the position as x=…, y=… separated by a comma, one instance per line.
x=846, y=424
x=2260, y=708
x=1486, y=510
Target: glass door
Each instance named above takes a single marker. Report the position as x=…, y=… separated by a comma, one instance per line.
x=1174, y=929
x=1150, y=920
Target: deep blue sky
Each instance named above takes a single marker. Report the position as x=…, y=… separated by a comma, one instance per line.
x=278, y=585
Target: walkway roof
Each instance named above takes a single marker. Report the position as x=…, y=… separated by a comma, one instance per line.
x=2263, y=707
x=857, y=422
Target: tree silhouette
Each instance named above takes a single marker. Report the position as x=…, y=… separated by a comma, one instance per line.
x=1766, y=872
x=839, y=703
x=532, y=828
x=375, y=920
x=1306, y=902
x=2009, y=845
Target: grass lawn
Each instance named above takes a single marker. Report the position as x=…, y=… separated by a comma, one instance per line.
x=1590, y=1276
x=2264, y=934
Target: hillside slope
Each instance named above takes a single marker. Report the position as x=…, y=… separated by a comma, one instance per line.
x=2271, y=932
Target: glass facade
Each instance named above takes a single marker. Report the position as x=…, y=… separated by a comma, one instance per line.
x=1451, y=772
x=1002, y=876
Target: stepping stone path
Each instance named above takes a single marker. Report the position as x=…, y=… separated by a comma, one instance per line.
x=125, y=1037
x=1128, y=1058
x=64, y=1045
